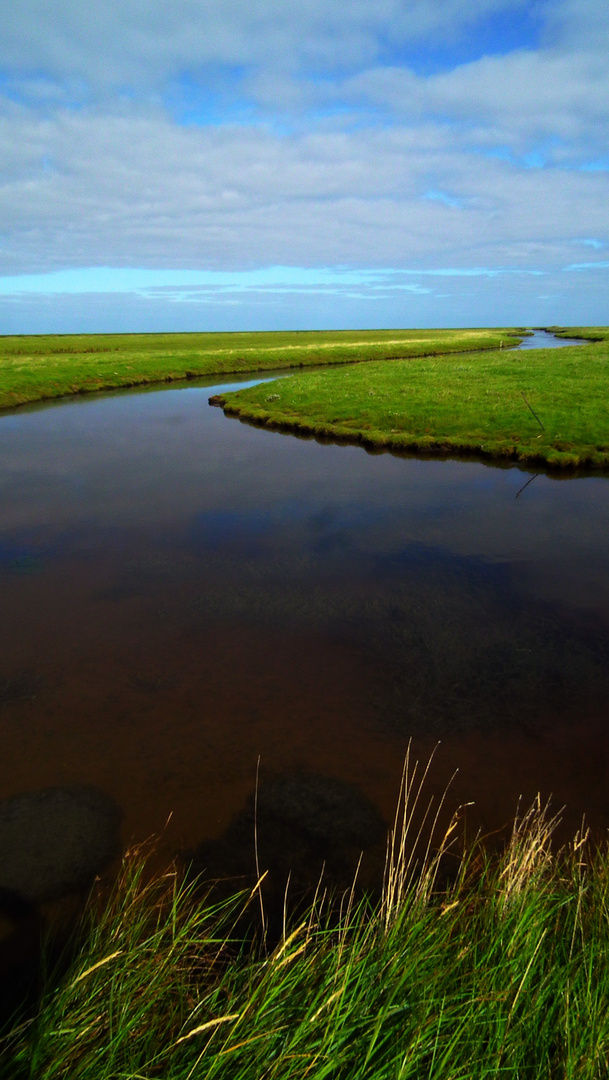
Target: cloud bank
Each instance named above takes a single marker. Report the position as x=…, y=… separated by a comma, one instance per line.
x=400, y=157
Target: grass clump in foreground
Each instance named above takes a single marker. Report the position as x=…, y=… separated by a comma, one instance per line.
x=542, y=405
x=33, y=368
x=504, y=972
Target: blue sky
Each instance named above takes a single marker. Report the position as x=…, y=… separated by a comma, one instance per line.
x=260, y=165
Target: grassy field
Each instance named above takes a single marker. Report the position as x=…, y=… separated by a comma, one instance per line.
x=503, y=973
x=546, y=406
x=38, y=367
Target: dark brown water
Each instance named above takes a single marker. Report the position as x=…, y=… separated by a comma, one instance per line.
x=181, y=593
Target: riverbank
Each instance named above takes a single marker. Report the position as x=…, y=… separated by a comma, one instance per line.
x=501, y=972
x=544, y=406
x=36, y=368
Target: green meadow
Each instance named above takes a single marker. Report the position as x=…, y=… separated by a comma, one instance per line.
x=546, y=406
x=469, y=966
x=33, y=368
x=425, y=391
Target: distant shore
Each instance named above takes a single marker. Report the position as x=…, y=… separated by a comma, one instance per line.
x=42, y=367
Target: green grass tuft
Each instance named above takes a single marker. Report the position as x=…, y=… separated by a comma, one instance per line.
x=503, y=972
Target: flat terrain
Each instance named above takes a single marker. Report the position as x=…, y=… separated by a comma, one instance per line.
x=542, y=405
x=33, y=368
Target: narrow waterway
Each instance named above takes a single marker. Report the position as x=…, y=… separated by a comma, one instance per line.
x=543, y=339
x=182, y=595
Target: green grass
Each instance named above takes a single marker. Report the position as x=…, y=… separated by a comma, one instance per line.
x=540, y=406
x=33, y=368
x=502, y=973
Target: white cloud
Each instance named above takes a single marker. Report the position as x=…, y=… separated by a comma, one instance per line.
x=577, y=24
x=144, y=41
x=348, y=158
x=83, y=190
x=558, y=101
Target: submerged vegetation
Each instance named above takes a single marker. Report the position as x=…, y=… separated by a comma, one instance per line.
x=37, y=367
x=468, y=965
x=540, y=406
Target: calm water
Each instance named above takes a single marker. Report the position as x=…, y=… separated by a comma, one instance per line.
x=541, y=339
x=181, y=593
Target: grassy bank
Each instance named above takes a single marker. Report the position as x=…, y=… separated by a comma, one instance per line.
x=38, y=367
x=541, y=406
x=502, y=973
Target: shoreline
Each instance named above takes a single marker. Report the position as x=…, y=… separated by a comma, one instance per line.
x=49, y=371
x=452, y=971
x=465, y=405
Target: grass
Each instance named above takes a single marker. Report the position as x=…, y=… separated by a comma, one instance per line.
x=33, y=368
x=502, y=972
x=547, y=406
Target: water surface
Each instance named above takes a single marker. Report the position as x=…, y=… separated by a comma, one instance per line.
x=181, y=594
x=543, y=339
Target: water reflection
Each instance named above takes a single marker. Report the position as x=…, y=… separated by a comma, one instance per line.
x=181, y=593
x=543, y=339
x=307, y=825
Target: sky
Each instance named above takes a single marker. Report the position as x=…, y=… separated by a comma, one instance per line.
x=259, y=164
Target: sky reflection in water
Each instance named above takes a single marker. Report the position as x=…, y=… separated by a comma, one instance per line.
x=187, y=592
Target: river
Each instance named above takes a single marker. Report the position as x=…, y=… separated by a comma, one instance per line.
x=183, y=596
